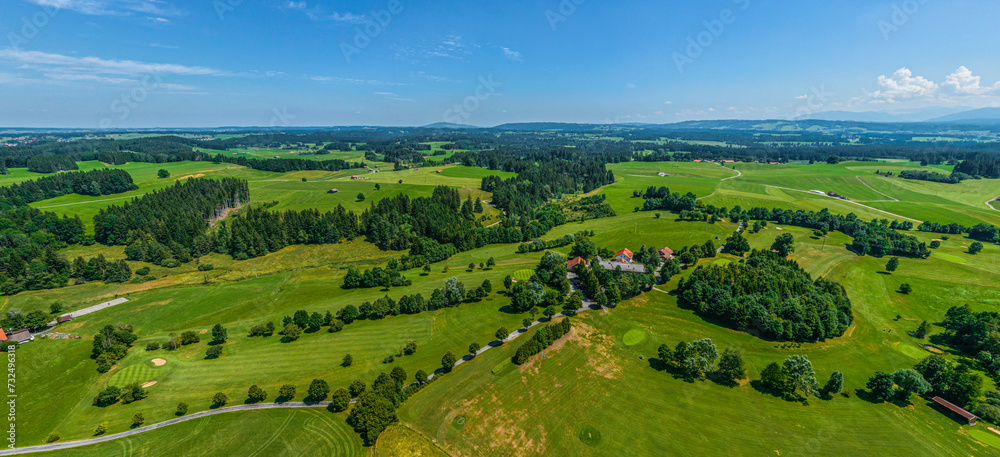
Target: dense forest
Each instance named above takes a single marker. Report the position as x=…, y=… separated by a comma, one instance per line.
x=769, y=296
x=94, y=183
x=176, y=214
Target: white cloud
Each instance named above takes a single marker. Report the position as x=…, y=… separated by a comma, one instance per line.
x=630, y=86
x=112, y=7
x=296, y=5
x=511, y=54
x=338, y=79
x=668, y=103
x=963, y=82
x=902, y=85
x=57, y=63
x=164, y=46
x=802, y=97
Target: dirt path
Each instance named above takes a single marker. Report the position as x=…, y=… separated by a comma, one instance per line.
x=847, y=201
x=894, y=199
x=738, y=174
x=990, y=203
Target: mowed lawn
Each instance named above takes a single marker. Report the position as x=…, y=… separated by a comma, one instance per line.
x=276, y=432
x=189, y=377
x=595, y=380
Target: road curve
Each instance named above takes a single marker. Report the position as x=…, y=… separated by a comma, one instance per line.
x=138, y=430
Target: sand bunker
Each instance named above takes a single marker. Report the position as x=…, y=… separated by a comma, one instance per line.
x=159, y=362
x=148, y=384
x=203, y=331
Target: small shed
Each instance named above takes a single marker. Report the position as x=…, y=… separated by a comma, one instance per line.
x=333, y=191
x=955, y=409
x=21, y=336
x=65, y=318
x=440, y=171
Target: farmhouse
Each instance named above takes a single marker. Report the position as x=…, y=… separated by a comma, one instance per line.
x=666, y=253
x=624, y=256
x=626, y=267
x=21, y=336
x=333, y=191
x=574, y=262
x=955, y=409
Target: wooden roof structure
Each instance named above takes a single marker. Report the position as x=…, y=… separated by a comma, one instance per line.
x=955, y=409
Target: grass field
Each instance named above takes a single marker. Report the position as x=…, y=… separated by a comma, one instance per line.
x=278, y=432
x=597, y=393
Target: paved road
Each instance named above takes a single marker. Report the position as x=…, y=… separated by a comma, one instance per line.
x=91, y=309
x=136, y=431
x=587, y=305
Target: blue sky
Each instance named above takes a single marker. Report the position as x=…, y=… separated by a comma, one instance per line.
x=204, y=63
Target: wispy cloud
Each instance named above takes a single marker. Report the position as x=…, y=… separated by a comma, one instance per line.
x=338, y=79
x=319, y=13
x=94, y=65
x=435, y=78
x=511, y=54
x=452, y=46
x=163, y=46
x=113, y=7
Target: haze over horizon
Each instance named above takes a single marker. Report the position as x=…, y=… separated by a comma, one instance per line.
x=186, y=63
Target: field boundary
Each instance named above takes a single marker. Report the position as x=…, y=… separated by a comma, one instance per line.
x=894, y=199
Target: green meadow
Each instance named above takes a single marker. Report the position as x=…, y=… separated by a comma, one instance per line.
x=595, y=392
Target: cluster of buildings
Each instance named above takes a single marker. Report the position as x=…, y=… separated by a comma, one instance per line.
x=623, y=259
x=20, y=336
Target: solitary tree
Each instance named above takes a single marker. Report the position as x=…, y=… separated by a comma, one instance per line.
x=101, y=428
x=502, y=333
x=490, y=263
x=255, y=394
x=182, y=409
x=784, y=244
x=162, y=173
x=526, y=322
x=138, y=419
x=799, y=373
x=448, y=361
x=731, y=366
x=361, y=196
x=219, y=399
x=213, y=352
x=892, y=265
x=474, y=348
x=550, y=311
x=472, y=266
x=975, y=248
x=773, y=379
x=340, y=399
x=420, y=376
x=427, y=269
x=922, y=330
x=835, y=384
x=318, y=390
x=286, y=391
x=508, y=281
x=905, y=288
x=357, y=386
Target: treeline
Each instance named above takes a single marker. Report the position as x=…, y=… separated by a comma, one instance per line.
x=542, y=339
x=285, y=164
x=178, y=213
x=375, y=277
x=93, y=183
x=980, y=232
x=980, y=165
x=769, y=296
x=923, y=175
x=256, y=231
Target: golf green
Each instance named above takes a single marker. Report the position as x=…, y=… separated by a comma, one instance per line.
x=634, y=337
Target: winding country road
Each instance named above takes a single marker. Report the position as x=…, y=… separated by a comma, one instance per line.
x=587, y=305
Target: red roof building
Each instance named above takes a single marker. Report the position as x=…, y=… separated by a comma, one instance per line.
x=624, y=256
x=955, y=409
x=65, y=318
x=666, y=253
x=574, y=262
x=3, y=335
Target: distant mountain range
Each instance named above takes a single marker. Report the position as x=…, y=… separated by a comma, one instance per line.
x=963, y=115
